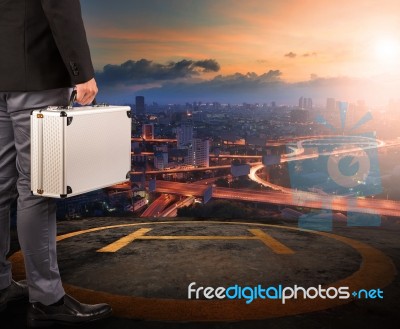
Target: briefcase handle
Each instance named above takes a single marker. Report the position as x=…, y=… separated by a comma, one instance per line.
x=72, y=99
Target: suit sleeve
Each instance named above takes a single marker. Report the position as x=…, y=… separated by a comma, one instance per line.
x=66, y=24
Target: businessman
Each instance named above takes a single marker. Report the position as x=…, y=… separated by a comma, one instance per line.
x=43, y=54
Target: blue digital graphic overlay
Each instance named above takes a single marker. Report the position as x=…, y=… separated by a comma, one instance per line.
x=343, y=165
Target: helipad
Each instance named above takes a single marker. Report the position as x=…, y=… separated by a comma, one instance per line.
x=143, y=269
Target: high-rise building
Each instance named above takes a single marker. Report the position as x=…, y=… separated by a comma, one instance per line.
x=351, y=115
x=199, y=153
x=161, y=157
x=140, y=108
x=305, y=103
x=343, y=109
x=184, y=136
x=148, y=131
x=309, y=103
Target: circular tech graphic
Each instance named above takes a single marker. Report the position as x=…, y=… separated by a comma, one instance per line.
x=143, y=269
x=349, y=171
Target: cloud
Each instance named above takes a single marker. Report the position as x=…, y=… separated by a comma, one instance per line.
x=310, y=54
x=248, y=79
x=184, y=81
x=237, y=87
x=232, y=85
x=209, y=65
x=145, y=71
x=294, y=55
x=290, y=55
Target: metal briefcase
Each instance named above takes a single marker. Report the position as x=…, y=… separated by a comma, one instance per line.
x=78, y=150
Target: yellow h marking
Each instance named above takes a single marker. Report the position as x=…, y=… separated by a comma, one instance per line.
x=269, y=241
x=276, y=246
x=117, y=245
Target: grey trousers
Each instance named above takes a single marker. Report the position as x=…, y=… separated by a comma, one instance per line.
x=36, y=216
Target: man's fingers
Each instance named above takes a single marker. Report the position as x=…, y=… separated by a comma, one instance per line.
x=85, y=98
x=86, y=92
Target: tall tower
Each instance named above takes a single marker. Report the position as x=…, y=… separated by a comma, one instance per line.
x=199, y=153
x=148, y=131
x=308, y=103
x=184, y=136
x=301, y=103
x=140, y=109
x=305, y=103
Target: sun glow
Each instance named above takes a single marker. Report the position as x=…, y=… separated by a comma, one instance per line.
x=387, y=49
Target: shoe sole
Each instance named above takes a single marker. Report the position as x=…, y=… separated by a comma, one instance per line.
x=39, y=323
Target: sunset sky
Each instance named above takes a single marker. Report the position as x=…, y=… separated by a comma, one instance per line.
x=254, y=50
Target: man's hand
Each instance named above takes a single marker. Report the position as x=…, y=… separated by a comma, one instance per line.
x=86, y=92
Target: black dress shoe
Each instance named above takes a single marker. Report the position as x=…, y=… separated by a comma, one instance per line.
x=71, y=312
x=15, y=291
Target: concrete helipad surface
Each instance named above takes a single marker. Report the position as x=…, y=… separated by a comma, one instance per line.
x=143, y=269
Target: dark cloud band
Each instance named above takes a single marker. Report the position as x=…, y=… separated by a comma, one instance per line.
x=145, y=71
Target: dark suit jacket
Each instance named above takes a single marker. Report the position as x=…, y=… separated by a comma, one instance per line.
x=42, y=45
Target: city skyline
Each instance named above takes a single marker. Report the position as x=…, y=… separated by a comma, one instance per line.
x=258, y=50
